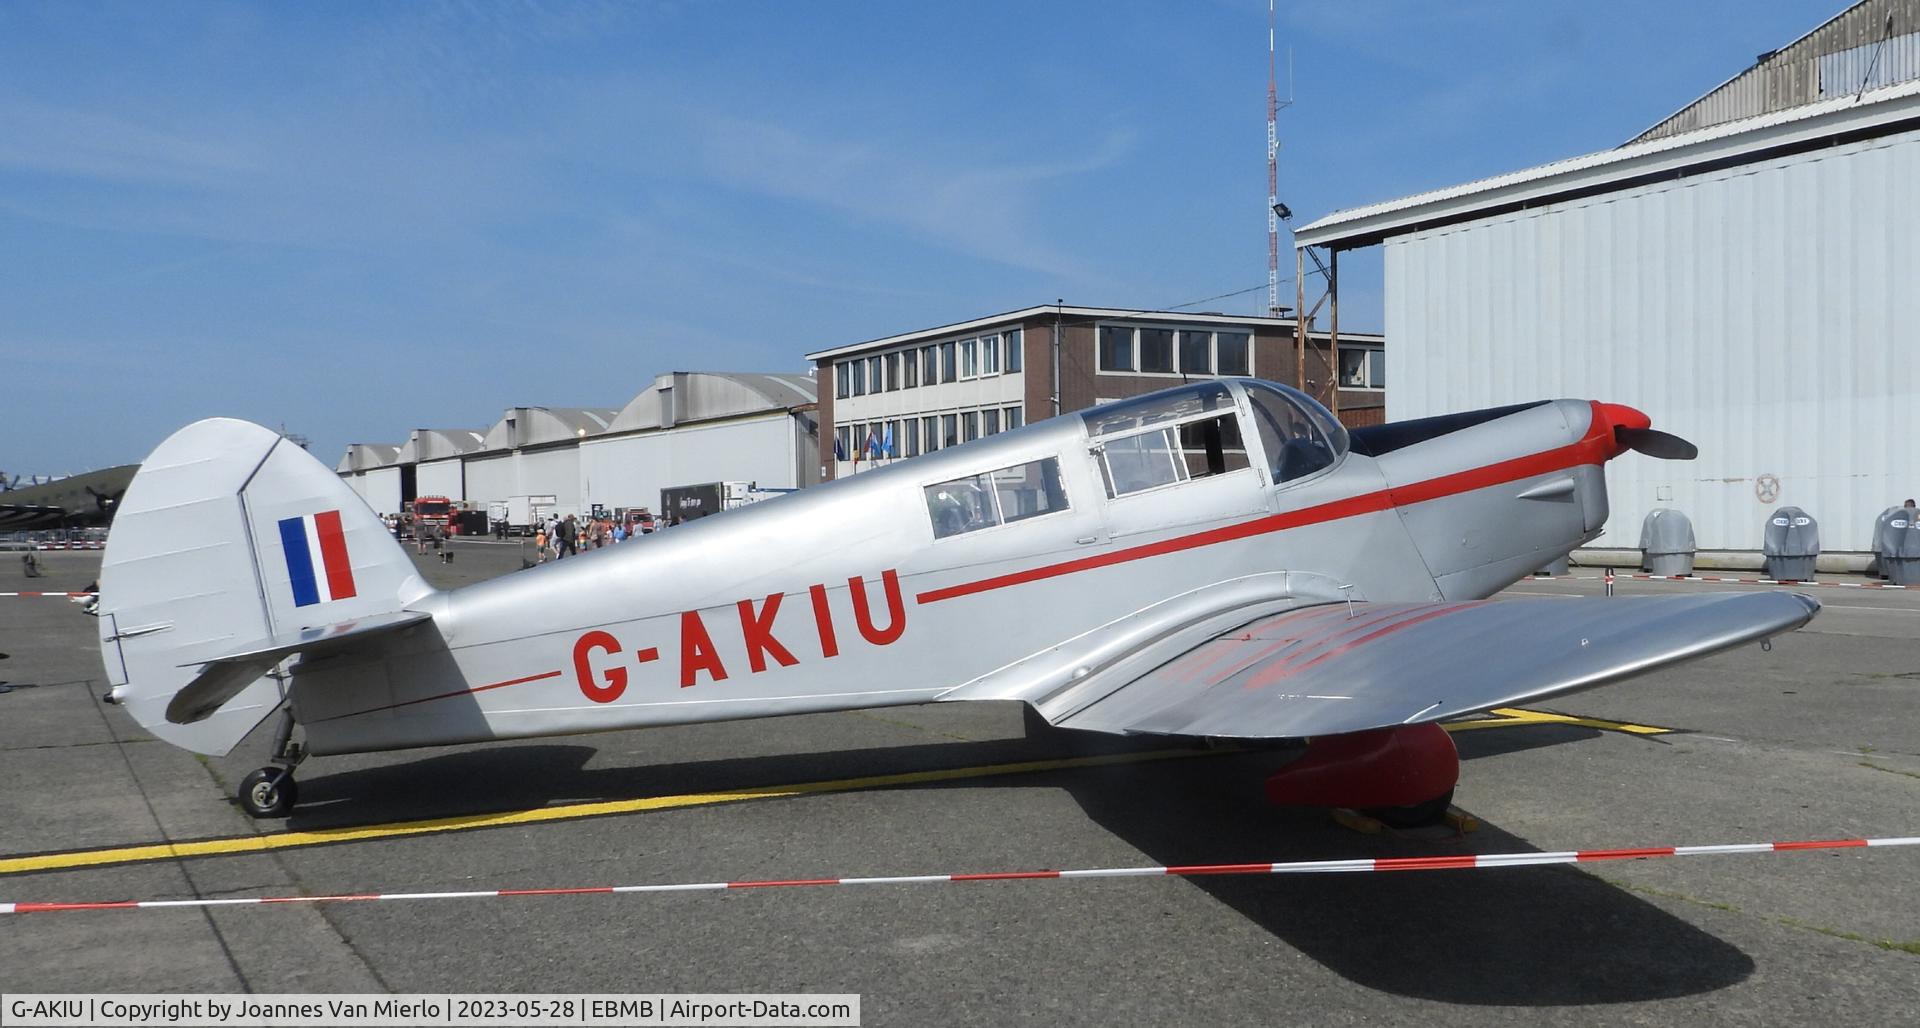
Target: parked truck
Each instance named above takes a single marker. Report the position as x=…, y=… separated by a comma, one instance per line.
x=686, y=502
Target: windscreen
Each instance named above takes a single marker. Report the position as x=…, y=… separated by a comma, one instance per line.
x=1300, y=436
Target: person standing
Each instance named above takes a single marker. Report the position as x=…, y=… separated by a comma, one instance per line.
x=569, y=537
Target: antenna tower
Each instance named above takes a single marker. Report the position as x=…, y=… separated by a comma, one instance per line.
x=1274, y=106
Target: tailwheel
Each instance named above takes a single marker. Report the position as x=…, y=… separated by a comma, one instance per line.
x=1415, y=815
x=269, y=792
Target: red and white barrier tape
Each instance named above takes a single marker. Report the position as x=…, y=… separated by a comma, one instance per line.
x=1435, y=863
x=66, y=595
x=1740, y=581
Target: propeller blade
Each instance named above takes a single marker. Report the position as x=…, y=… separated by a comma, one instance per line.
x=1655, y=443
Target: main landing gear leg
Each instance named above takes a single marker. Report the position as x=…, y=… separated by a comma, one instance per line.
x=271, y=791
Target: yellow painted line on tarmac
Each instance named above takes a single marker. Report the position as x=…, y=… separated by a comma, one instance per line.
x=568, y=812
x=1513, y=717
x=1505, y=717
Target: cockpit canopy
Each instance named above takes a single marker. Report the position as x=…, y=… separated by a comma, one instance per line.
x=1195, y=431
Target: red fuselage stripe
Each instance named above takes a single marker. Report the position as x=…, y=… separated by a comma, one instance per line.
x=1594, y=448
x=448, y=695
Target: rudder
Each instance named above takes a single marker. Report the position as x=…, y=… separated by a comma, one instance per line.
x=230, y=537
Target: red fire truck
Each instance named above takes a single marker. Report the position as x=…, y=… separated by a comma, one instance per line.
x=432, y=510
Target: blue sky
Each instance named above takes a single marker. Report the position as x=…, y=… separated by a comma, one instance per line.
x=360, y=219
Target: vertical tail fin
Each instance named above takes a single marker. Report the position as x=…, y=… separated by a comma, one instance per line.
x=229, y=538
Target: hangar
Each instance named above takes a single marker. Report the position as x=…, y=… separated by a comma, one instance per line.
x=692, y=427
x=533, y=451
x=373, y=471
x=1744, y=271
x=685, y=428
x=435, y=454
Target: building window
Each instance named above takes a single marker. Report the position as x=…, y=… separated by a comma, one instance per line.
x=969, y=358
x=909, y=369
x=990, y=422
x=910, y=437
x=1116, y=348
x=1363, y=368
x=843, y=443
x=947, y=371
x=1001, y=497
x=1196, y=353
x=1012, y=418
x=1234, y=353
x=842, y=380
x=892, y=365
x=874, y=383
x=1014, y=355
x=929, y=365
x=1156, y=351
x=930, y=433
x=1166, y=351
x=857, y=372
x=989, y=355
x=949, y=430
x=969, y=426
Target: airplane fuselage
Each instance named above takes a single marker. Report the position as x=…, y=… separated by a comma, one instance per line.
x=991, y=570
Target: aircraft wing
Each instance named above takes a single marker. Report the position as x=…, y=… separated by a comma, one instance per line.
x=1335, y=668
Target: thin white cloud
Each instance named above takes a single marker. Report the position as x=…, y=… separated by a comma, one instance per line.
x=970, y=204
x=54, y=140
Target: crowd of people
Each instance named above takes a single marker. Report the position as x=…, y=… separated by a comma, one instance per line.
x=559, y=537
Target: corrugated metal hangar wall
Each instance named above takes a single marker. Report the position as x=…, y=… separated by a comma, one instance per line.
x=1769, y=312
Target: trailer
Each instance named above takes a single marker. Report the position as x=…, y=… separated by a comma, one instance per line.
x=524, y=513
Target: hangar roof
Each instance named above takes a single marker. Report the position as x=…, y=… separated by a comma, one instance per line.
x=1872, y=43
x=437, y=443
x=540, y=426
x=361, y=456
x=680, y=397
x=1877, y=112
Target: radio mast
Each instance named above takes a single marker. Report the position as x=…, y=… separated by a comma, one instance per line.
x=1274, y=106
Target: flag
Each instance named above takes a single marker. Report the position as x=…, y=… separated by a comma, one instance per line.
x=304, y=538
x=873, y=441
x=886, y=441
x=839, y=448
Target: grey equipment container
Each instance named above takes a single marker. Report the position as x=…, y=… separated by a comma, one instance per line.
x=1666, y=542
x=1900, y=547
x=1877, y=564
x=1792, y=545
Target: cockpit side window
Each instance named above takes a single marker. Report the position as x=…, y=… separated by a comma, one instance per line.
x=992, y=498
x=1166, y=438
x=1181, y=452
x=1300, y=438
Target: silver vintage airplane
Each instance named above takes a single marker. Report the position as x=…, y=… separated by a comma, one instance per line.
x=1216, y=560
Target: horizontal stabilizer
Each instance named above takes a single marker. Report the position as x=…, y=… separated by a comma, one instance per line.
x=1337, y=668
x=222, y=677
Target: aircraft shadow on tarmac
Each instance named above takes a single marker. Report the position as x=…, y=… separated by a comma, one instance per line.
x=1543, y=936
